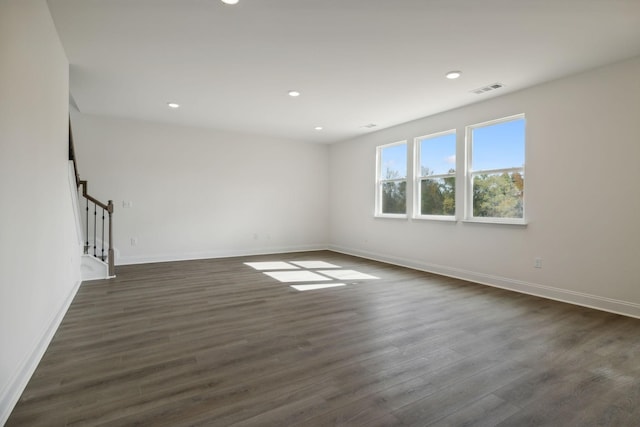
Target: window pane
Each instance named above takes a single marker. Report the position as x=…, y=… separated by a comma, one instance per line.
x=394, y=162
x=438, y=196
x=498, y=146
x=498, y=195
x=438, y=155
x=394, y=197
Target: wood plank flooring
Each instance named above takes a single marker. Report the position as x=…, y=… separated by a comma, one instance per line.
x=218, y=343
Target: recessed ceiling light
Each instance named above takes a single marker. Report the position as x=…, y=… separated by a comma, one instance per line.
x=230, y=1
x=294, y=93
x=172, y=105
x=318, y=128
x=453, y=74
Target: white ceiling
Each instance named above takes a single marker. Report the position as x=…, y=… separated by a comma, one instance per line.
x=354, y=61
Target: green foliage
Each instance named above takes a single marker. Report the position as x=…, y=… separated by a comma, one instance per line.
x=438, y=196
x=494, y=196
x=498, y=196
x=394, y=197
x=394, y=194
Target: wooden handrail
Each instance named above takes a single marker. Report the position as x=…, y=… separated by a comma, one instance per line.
x=107, y=207
x=72, y=155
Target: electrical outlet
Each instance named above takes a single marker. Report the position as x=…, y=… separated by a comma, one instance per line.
x=537, y=263
x=134, y=241
x=127, y=204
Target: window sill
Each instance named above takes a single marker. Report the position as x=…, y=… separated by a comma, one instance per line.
x=391, y=216
x=497, y=221
x=445, y=218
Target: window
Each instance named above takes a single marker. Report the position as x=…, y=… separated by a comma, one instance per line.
x=391, y=182
x=495, y=171
x=435, y=171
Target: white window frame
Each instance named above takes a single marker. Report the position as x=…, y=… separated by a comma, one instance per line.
x=418, y=177
x=380, y=181
x=470, y=174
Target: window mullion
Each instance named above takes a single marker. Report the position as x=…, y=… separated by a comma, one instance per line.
x=496, y=171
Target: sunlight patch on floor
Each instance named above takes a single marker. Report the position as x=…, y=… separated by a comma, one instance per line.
x=296, y=276
x=314, y=264
x=299, y=272
x=272, y=265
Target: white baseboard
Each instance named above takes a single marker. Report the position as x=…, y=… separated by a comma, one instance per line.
x=146, y=259
x=16, y=385
x=558, y=294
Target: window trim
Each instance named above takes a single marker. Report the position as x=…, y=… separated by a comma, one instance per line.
x=469, y=174
x=380, y=182
x=417, y=177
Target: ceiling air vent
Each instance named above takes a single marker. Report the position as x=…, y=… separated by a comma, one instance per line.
x=488, y=88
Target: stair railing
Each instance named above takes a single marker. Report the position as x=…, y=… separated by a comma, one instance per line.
x=102, y=220
x=98, y=219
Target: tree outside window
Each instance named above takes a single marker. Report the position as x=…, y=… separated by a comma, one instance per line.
x=391, y=194
x=495, y=169
x=436, y=175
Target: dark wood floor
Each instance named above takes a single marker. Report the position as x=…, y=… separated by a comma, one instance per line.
x=217, y=343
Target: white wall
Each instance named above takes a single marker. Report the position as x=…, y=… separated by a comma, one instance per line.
x=582, y=198
x=199, y=193
x=39, y=250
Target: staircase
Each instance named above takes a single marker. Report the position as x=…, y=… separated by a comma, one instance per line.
x=92, y=268
x=96, y=223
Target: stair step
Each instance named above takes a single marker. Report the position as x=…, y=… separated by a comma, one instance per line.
x=93, y=268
